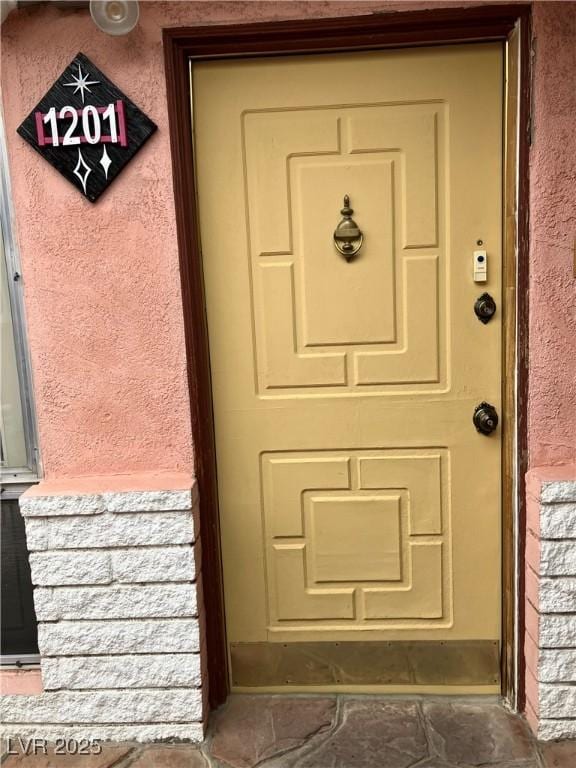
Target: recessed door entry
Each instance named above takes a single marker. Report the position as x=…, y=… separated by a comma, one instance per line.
x=359, y=502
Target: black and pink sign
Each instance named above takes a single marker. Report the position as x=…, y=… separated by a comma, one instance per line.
x=86, y=128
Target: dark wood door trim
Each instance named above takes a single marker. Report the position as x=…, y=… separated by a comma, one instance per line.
x=366, y=32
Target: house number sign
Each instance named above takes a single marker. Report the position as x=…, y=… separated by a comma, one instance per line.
x=86, y=128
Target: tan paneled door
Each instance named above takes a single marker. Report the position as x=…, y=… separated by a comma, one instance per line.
x=360, y=507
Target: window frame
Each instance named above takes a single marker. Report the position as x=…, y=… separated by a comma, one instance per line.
x=15, y=480
x=31, y=471
x=12, y=492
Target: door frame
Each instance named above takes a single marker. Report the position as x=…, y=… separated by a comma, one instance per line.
x=510, y=24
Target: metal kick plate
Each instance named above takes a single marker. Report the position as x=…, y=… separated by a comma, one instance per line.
x=455, y=662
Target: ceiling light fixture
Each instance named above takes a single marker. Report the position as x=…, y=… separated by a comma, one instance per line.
x=115, y=17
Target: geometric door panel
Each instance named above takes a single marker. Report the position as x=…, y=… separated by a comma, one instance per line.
x=320, y=323
x=357, y=538
x=418, y=360
x=423, y=597
x=412, y=132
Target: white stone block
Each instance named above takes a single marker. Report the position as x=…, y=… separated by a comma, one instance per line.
x=549, y=730
x=558, y=521
x=558, y=491
x=558, y=665
x=557, y=595
x=557, y=631
x=192, y=732
x=558, y=558
x=126, y=706
x=181, y=670
x=115, y=602
x=557, y=701
x=44, y=604
x=148, y=501
x=60, y=568
x=112, y=501
x=154, y=564
x=109, y=530
x=48, y=506
x=37, y=537
x=117, y=637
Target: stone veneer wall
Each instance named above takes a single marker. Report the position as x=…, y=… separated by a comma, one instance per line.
x=550, y=641
x=117, y=600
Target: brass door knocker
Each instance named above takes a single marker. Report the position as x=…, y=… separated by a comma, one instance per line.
x=348, y=238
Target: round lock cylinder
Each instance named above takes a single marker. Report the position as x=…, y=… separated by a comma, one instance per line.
x=485, y=308
x=485, y=418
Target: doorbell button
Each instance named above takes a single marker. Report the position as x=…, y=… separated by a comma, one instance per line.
x=480, y=266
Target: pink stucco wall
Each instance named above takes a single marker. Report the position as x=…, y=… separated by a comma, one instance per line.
x=23, y=682
x=102, y=285
x=552, y=398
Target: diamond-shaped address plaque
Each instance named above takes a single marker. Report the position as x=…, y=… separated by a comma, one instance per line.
x=86, y=128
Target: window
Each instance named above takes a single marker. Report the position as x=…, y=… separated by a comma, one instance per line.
x=13, y=454
x=18, y=445
x=19, y=636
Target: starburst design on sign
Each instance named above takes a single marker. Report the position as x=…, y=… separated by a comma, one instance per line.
x=105, y=161
x=81, y=83
x=82, y=171
x=92, y=153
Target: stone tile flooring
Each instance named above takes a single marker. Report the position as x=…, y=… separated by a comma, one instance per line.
x=340, y=732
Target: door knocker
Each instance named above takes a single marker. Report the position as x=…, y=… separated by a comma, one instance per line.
x=348, y=238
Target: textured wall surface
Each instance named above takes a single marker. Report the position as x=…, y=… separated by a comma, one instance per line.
x=101, y=282
x=104, y=319
x=102, y=285
x=550, y=641
x=552, y=398
x=119, y=630
x=20, y=681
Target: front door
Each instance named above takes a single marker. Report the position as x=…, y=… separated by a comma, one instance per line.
x=359, y=505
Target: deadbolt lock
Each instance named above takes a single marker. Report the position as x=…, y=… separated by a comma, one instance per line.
x=485, y=418
x=485, y=308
